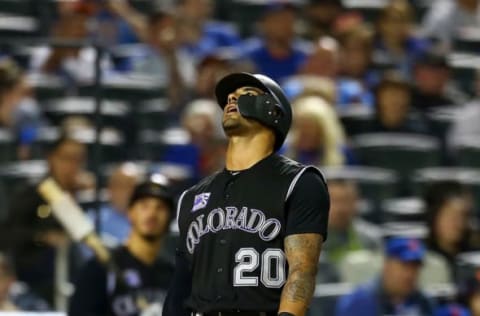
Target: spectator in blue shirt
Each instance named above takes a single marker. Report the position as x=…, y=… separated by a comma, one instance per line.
x=395, y=292
x=277, y=52
x=201, y=35
x=114, y=224
x=356, y=78
x=395, y=46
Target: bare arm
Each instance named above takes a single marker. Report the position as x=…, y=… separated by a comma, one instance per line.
x=302, y=251
x=135, y=19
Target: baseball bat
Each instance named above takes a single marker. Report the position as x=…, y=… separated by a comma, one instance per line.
x=72, y=218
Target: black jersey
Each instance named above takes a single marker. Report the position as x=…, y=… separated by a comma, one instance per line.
x=128, y=291
x=232, y=229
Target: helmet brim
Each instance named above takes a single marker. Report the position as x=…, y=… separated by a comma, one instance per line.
x=232, y=82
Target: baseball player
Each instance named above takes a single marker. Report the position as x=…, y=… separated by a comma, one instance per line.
x=139, y=283
x=250, y=234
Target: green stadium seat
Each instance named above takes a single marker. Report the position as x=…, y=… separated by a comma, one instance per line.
x=467, y=40
x=17, y=7
x=243, y=12
x=463, y=67
x=18, y=26
x=468, y=176
x=467, y=150
x=370, y=9
x=7, y=146
x=153, y=114
x=114, y=113
x=47, y=86
x=133, y=88
x=356, y=119
x=111, y=145
x=375, y=185
x=15, y=176
x=407, y=209
x=400, y=152
x=326, y=296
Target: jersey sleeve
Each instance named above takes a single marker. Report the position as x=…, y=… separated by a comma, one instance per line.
x=308, y=205
x=90, y=296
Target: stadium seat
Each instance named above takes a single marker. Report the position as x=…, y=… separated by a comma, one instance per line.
x=111, y=145
x=18, y=26
x=469, y=176
x=467, y=151
x=463, y=67
x=153, y=114
x=400, y=152
x=114, y=113
x=467, y=40
x=18, y=7
x=407, y=209
x=356, y=120
x=375, y=184
x=325, y=298
x=243, y=12
x=15, y=176
x=369, y=9
x=47, y=86
x=133, y=88
x=7, y=146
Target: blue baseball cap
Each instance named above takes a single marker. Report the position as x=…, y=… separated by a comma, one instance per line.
x=452, y=310
x=405, y=249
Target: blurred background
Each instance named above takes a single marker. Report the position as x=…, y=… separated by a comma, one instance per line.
x=99, y=94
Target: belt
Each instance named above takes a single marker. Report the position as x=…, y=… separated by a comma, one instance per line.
x=239, y=313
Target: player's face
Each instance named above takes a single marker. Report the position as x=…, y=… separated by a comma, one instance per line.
x=401, y=277
x=149, y=218
x=452, y=220
x=67, y=162
x=343, y=205
x=233, y=122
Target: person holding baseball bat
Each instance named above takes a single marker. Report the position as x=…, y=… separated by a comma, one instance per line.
x=134, y=279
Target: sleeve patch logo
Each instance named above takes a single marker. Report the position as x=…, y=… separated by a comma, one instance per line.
x=200, y=201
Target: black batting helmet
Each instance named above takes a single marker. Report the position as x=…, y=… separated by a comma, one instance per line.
x=271, y=109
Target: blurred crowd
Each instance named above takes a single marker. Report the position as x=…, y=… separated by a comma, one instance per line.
x=386, y=102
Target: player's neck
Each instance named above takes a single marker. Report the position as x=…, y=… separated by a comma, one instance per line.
x=245, y=151
x=144, y=250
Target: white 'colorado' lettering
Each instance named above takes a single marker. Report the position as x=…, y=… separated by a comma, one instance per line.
x=249, y=220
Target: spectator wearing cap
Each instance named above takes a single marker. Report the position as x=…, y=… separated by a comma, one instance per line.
x=446, y=18
x=395, y=45
x=138, y=284
x=396, y=291
x=433, y=86
x=453, y=310
x=277, y=52
x=393, y=107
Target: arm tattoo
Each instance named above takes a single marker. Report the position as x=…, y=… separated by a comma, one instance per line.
x=302, y=251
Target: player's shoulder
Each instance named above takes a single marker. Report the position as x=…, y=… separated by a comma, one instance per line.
x=204, y=183
x=288, y=165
